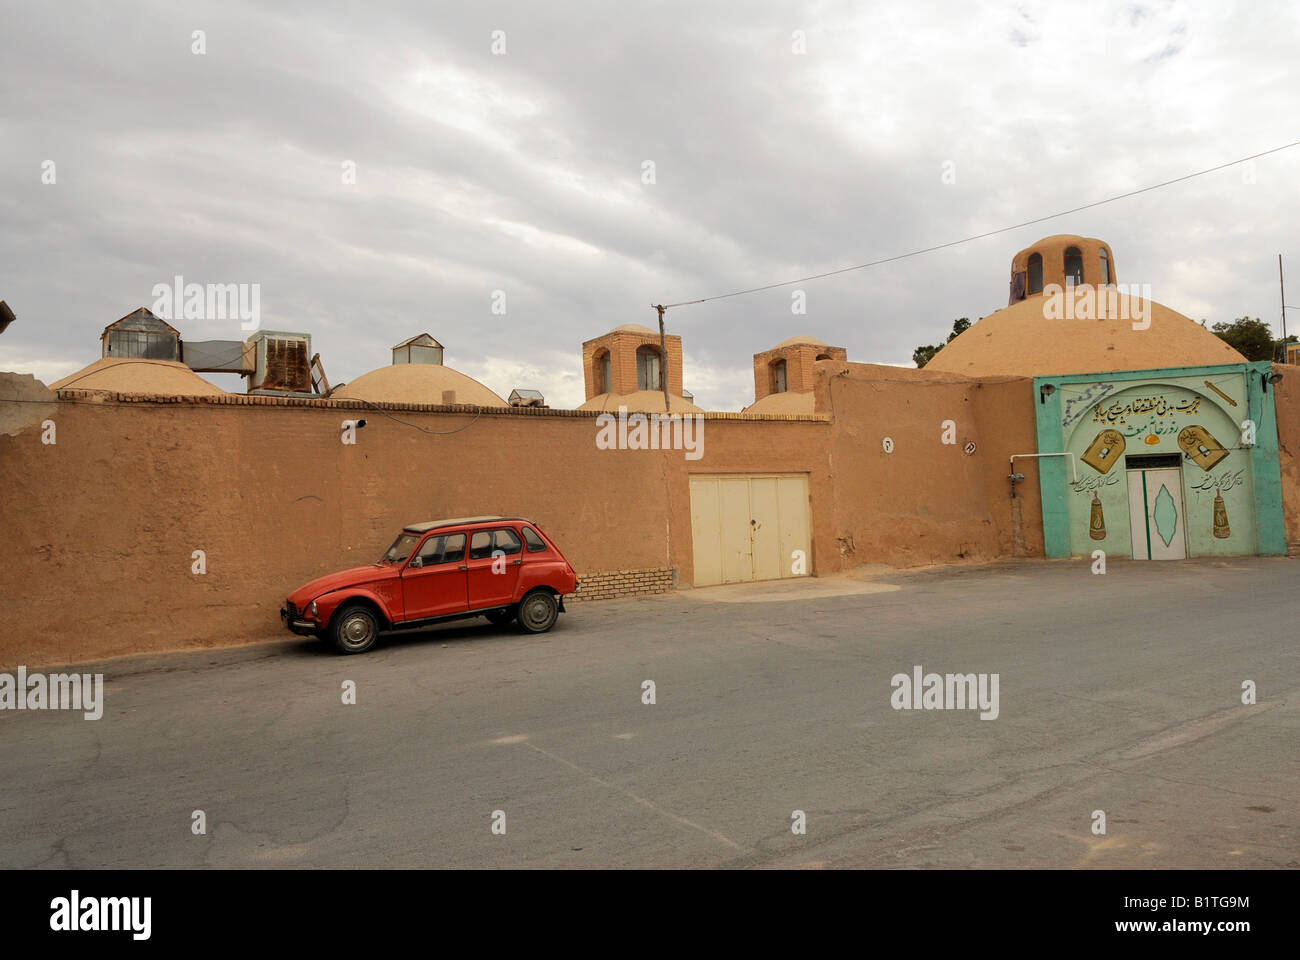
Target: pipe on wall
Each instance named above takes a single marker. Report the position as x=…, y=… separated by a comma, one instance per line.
x=1022, y=456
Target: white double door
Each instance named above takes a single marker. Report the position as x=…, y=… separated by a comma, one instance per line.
x=1155, y=509
x=753, y=527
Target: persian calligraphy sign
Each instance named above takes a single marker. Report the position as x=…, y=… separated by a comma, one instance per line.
x=1156, y=405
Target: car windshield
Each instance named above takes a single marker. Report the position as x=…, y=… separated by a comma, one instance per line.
x=401, y=549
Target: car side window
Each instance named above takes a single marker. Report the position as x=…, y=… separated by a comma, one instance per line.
x=480, y=545
x=535, y=543
x=448, y=548
x=431, y=552
x=507, y=542
x=454, y=551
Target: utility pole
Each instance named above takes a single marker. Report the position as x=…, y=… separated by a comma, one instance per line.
x=1282, y=287
x=663, y=351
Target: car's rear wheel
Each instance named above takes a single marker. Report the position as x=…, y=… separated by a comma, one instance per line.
x=354, y=629
x=538, y=612
x=501, y=617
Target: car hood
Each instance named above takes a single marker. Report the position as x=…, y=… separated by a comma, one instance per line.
x=352, y=577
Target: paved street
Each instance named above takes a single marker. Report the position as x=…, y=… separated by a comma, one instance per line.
x=1119, y=693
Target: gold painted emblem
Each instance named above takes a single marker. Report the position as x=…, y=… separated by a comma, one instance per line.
x=1105, y=451
x=1200, y=446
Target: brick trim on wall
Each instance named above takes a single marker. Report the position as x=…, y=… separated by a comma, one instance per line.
x=616, y=584
x=108, y=397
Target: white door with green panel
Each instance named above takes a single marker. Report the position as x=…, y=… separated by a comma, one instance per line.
x=1155, y=509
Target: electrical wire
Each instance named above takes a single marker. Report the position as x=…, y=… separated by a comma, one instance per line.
x=109, y=366
x=478, y=412
x=990, y=233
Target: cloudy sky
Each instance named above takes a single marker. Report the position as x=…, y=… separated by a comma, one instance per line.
x=523, y=170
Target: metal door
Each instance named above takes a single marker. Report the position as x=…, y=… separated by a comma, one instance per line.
x=1155, y=508
x=749, y=527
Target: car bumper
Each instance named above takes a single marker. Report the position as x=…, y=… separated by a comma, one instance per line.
x=298, y=625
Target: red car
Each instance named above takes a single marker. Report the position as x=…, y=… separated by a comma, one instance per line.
x=504, y=568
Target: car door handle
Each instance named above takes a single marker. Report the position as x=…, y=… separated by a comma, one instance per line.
x=518, y=561
x=462, y=567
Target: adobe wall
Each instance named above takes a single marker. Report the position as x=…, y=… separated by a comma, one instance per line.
x=1286, y=398
x=100, y=526
x=928, y=501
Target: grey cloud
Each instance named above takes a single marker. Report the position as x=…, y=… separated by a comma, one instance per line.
x=522, y=172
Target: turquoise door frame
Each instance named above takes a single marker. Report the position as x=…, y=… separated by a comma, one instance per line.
x=1053, y=472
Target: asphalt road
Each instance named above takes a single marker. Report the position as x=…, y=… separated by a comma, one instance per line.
x=1119, y=693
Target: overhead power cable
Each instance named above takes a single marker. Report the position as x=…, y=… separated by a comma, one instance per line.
x=990, y=233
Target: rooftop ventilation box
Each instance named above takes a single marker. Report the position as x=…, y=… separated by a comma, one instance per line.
x=282, y=364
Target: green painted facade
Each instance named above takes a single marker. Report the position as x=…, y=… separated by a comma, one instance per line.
x=1108, y=420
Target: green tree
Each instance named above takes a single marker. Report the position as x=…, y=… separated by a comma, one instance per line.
x=924, y=354
x=1253, y=339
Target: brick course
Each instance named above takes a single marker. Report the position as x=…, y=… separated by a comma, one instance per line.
x=616, y=584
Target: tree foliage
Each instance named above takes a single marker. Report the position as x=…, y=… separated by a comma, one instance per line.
x=1253, y=339
x=924, y=354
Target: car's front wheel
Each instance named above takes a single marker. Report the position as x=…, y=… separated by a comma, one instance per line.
x=354, y=629
x=538, y=612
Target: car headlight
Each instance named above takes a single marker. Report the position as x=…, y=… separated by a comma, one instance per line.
x=311, y=609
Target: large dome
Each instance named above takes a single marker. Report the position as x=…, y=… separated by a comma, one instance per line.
x=417, y=383
x=137, y=375
x=1029, y=339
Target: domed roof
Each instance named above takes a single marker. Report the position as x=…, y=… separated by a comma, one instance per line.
x=139, y=375
x=1060, y=241
x=801, y=338
x=1095, y=260
x=416, y=383
x=634, y=328
x=643, y=401
x=1022, y=340
x=788, y=401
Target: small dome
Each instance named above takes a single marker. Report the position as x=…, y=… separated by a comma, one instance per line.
x=634, y=328
x=417, y=383
x=1061, y=259
x=786, y=402
x=643, y=401
x=799, y=339
x=138, y=375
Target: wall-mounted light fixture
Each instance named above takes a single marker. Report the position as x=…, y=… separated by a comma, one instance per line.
x=1045, y=391
x=1267, y=378
x=6, y=316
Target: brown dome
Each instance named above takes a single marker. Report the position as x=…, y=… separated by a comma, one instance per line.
x=138, y=375
x=1021, y=340
x=417, y=383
